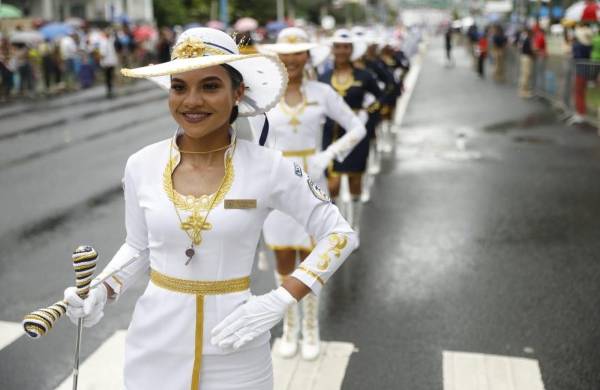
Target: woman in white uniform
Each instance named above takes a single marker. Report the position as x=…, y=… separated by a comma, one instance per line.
x=195, y=205
x=297, y=126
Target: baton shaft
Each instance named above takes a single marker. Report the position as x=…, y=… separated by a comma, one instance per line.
x=77, y=351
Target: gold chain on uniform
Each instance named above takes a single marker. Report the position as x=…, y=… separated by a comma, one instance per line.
x=293, y=112
x=340, y=87
x=196, y=223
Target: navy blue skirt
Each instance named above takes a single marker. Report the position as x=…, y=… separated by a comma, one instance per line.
x=356, y=162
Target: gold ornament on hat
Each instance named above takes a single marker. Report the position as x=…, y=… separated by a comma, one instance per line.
x=192, y=47
x=292, y=39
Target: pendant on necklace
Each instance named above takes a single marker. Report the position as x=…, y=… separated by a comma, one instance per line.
x=294, y=121
x=190, y=252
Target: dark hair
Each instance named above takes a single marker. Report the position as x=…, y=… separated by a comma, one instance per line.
x=236, y=80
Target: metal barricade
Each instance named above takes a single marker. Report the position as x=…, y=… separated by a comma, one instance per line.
x=570, y=85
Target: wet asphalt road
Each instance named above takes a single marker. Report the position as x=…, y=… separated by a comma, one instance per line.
x=490, y=248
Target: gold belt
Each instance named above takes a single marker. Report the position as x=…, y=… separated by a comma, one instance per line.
x=299, y=153
x=305, y=153
x=200, y=289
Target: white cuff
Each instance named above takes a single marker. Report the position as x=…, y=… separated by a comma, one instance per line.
x=310, y=278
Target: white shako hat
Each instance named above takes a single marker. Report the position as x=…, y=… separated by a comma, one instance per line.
x=264, y=76
x=343, y=35
x=289, y=40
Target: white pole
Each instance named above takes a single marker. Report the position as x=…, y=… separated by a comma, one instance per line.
x=280, y=12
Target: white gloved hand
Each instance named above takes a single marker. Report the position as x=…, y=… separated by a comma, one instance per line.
x=363, y=115
x=90, y=309
x=258, y=315
x=318, y=163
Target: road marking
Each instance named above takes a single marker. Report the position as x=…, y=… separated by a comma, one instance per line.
x=409, y=86
x=325, y=373
x=9, y=332
x=103, y=369
x=477, y=371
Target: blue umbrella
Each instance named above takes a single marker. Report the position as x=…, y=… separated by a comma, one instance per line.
x=275, y=27
x=55, y=30
x=123, y=19
x=191, y=25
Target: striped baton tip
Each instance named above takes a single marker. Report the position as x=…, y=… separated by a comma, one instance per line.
x=84, y=264
x=39, y=322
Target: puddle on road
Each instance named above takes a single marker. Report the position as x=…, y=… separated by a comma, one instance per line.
x=530, y=121
x=533, y=139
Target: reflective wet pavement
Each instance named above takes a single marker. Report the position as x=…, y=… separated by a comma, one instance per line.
x=481, y=235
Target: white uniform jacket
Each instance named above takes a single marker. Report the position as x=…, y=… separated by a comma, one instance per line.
x=162, y=339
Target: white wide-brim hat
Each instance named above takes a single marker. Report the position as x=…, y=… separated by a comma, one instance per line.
x=295, y=40
x=289, y=40
x=265, y=76
x=343, y=35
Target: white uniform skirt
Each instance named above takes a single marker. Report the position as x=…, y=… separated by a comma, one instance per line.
x=250, y=369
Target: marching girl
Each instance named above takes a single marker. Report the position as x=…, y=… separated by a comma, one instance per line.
x=399, y=65
x=353, y=85
x=195, y=205
x=387, y=83
x=297, y=122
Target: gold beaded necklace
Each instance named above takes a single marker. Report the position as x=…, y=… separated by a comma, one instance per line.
x=339, y=86
x=293, y=112
x=200, y=207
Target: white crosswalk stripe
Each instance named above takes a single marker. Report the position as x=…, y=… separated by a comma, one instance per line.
x=9, y=332
x=477, y=371
x=103, y=369
x=325, y=373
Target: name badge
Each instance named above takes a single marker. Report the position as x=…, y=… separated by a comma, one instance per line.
x=240, y=204
x=312, y=103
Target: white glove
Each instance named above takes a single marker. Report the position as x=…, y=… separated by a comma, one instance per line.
x=90, y=309
x=318, y=163
x=363, y=115
x=258, y=315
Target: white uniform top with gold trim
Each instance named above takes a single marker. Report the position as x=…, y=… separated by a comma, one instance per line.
x=161, y=341
x=298, y=132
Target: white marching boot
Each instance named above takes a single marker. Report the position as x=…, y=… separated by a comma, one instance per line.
x=288, y=346
x=311, y=341
x=357, y=206
x=387, y=136
x=374, y=159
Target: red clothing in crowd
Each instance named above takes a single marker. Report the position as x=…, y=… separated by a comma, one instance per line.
x=539, y=42
x=590, y=12
x=483, y=45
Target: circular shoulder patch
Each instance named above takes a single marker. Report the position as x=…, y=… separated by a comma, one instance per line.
x=317, y=191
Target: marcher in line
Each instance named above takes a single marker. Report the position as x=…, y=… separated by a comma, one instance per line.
x=195, y=205
x=354, y=85
x=296, y=122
